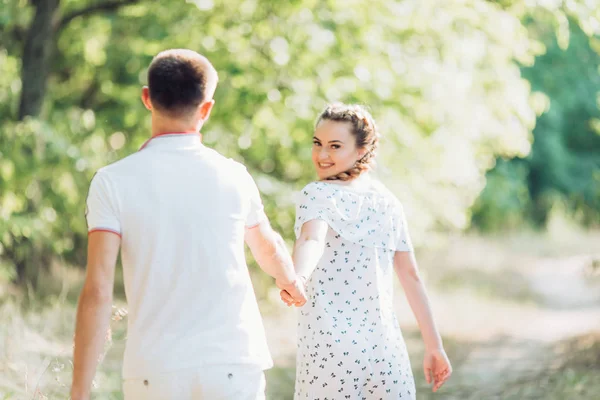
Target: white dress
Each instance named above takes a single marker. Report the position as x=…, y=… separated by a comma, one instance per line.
x=349, y=342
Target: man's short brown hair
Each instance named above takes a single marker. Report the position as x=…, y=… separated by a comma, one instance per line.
x=180, y=80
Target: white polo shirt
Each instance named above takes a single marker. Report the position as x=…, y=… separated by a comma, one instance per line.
x=181, y=210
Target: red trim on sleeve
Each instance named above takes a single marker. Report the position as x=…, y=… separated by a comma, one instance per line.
x=253, y=225
x=104, y=230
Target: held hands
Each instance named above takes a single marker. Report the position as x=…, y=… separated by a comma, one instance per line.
x=437, y=368
x=293, y=293
x=288, y=298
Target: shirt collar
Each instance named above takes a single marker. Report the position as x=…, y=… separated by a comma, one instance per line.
x=173, y=140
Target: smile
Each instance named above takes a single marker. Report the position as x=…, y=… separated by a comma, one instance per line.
x=325, y=165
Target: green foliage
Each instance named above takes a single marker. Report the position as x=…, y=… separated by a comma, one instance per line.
x=564, y=164
x=506, y=195
x=441, y=78
x=566, y=152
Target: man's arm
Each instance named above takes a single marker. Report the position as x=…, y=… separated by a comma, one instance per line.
x=94, y=310
x=269, y=251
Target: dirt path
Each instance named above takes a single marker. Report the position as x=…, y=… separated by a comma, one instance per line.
x=501, y=313
x=502, y=306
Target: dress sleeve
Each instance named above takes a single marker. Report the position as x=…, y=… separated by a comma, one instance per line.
x=369, y=219
x=313, y=202
x=403, y=242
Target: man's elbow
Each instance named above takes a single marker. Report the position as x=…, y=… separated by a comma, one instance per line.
x=279, y=241
x=96, y=294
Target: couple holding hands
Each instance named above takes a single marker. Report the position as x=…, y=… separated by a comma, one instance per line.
x=180, y=214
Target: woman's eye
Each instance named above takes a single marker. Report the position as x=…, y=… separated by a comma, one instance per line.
x=316, y=144
x=335, y=146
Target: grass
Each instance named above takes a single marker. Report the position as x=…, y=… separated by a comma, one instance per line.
x=36, y=349
x=37, y=328
x=488, y=284
x=574, y=374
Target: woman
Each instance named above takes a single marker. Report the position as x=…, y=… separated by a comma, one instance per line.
x=351, y=234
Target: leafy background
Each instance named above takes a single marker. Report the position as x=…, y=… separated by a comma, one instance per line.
x=490, y=110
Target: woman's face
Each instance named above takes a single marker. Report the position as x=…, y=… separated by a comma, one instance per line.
x=334, y=148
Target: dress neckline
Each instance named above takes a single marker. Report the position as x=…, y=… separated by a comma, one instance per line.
x=358, y=190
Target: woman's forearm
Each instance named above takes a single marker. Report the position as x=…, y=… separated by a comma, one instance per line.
x=309, y=247
x=307, y=253
x=419, y=303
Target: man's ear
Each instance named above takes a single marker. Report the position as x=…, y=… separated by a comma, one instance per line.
x=205, y=108
x=146, y=98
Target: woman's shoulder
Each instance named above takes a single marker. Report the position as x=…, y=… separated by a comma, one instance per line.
x=372, y=189
x=315, y=186
x=380, y=188
x=333, y=187
x=372, y=195
x=313, y=191
x=366, y=215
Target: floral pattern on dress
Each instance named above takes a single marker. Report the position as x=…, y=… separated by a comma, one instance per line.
x=349, y=341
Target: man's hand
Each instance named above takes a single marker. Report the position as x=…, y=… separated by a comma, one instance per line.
x=292, y=293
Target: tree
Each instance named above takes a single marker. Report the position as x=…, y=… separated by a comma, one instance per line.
x=441, y=78
x=36, y=66
x=564, y=165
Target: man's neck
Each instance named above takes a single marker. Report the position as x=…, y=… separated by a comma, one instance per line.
x=161, y=126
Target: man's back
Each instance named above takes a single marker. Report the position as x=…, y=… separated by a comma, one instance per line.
x=182, y=210
x=182, y=213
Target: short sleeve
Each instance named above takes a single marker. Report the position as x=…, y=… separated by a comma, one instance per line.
x=403, y=242
x=371, y=219
x=310, y=204
x=256, y=211
x=101, y=206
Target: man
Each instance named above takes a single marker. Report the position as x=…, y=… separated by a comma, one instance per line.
x=180, y=213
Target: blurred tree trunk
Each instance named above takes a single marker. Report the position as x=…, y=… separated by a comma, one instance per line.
x=37, y=54
x=40, y=43
x=36, y=67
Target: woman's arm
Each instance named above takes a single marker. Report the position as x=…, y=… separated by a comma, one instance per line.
x=308, y=250
x=408, y=273
x=309, y=247
x=436, y=361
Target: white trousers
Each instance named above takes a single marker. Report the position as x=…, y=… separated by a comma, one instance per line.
x=216, y=382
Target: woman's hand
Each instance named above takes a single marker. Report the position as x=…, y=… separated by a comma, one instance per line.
x=437, y=368
x=288, y=299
